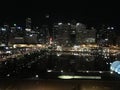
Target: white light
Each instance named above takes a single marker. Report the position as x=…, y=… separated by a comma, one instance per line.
x=49, y=70
x=106, y=39
x=87, y=77
x=76, y=54
x=27, y=29
x=118, y=72
x=100, y=72
x=111, y=72
x=2, y=44
x=36, y=76
x=59, y=23
x=3, y=29
x=8, y=52
x=14, y=46
x=59, y=48
x=8, y=75
x=107, y=63
x=31, y=35
x=61, y=70
x=69, y=24
x=58, y=54
x=15, y=25
x=77, y=24
x=87, y=71
x=78, y=77
x=6, y=48
x=47, y=16
x=65, y=77
x=108, y=28
x=112, y=28
x=19, y=27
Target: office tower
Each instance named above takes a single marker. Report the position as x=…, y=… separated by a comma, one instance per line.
x=28, y=24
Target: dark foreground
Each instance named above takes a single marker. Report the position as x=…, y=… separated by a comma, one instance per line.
x=60, y=85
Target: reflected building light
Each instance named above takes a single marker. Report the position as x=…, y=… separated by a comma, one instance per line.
x=87, y=77
x=78, y=77
x=65, y=77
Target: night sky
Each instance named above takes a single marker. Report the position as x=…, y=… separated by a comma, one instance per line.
x=88, y=12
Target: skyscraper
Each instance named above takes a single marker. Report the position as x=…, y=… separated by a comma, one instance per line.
x=28, y=24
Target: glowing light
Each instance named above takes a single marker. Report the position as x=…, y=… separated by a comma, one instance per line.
x=69, y=24
x=108, y=28
x=49, y=70
x=36, y=76
x=111, y=72
x=112, y=28
x=61, y=70
x=100, y=72
x=8, y=75
x=3, y=29
x=59, y=48
x=31, y=35
x=58, y=54
x=78, y=77
x=59, y=23
x=114, y=65
x=15, y=25
x=65, y=77
x=118, y=69
x=27, y=29
x=77, y=24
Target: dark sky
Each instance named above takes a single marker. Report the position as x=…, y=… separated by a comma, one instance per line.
x=88, y=12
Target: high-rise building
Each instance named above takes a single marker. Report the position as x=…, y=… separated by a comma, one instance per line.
x=17, y=34
x=28, y=24
x=73, y=34
x=4, y=34
x=43, y=34
x=84, y=35
x=106, y=36
x=31, y=37
x=61, y=34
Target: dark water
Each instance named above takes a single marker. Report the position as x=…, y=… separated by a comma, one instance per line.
x=47, y=65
